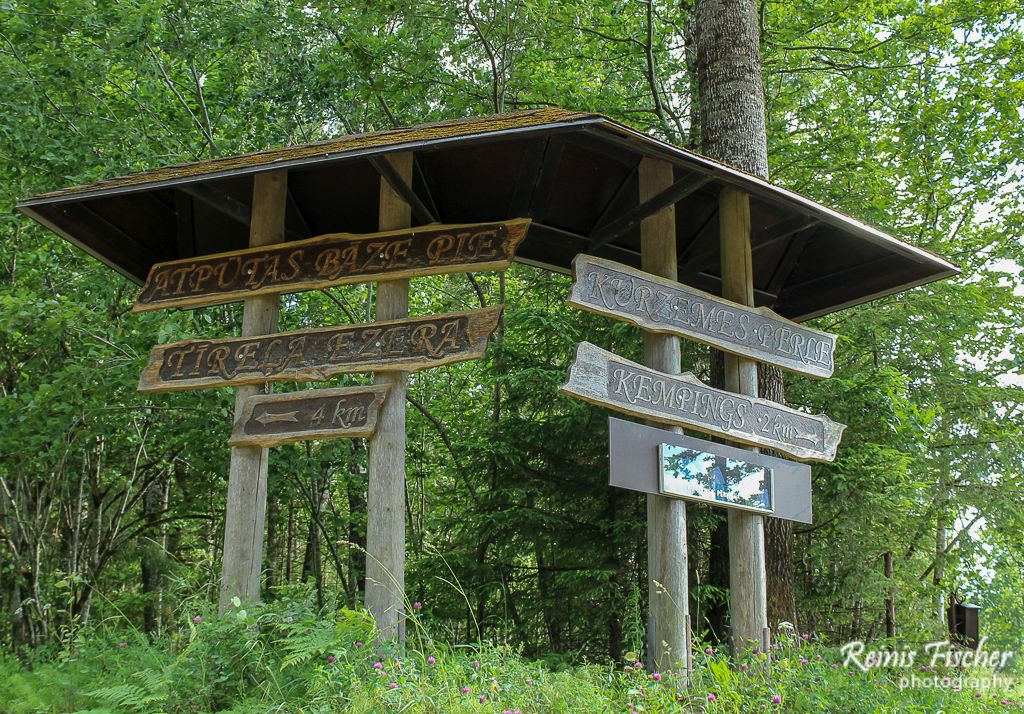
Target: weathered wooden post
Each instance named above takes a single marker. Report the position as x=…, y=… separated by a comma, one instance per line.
x=667, y=586
x=247, y=480
x=747, y=579
x=385, y=529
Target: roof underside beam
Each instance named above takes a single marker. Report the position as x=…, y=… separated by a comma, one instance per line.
x=632, y=218
x=383, y=167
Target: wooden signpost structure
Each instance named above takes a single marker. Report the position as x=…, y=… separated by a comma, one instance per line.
x=167, y=228
x=654, y=300
x=391, y=347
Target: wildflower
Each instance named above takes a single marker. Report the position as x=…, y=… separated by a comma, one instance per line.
x=482, y=699
x=924, y=668
x=476, y=664
x=744, y=666
x=777, y=699
x=417, y=605
x=466, y=690
x=977, y=695
x=393, y=685
x=358, y=645
x=431, y=660
x=330, y=659
x=122, y=645
x=709, y=651
x=712, y=697
x=378, y=665
x=806, y=636
x=529, y=682
x=656, y=676
x=197, y=619
x=757, y=650
x=835, y=666
x=817, y=657
x=638, y=665
x=803, y=661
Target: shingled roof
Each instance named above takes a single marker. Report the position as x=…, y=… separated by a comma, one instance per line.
x=573, y=173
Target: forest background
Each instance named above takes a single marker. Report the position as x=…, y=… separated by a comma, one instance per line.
x=903, y=114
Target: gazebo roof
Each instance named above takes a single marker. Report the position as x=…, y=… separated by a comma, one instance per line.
x=574, y=174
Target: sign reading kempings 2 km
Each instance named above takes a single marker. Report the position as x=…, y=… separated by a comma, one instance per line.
x=403, y=345
x=273, y=419
x=659, y=305
x=329, y=260
x=603, y=378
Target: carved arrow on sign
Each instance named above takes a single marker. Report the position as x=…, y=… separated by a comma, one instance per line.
x=269, y=417
x=604, y=378
x=349, y=412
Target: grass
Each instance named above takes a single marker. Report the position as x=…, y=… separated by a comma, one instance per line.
x=284, y=657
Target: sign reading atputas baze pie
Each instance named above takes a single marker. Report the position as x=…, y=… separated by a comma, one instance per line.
x=274, y=419
x=603, y=378
x=404, y=345
x=325, y=261
x=660, y=305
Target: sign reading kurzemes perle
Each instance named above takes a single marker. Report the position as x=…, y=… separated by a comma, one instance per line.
x=660, y=305
x=604, y=378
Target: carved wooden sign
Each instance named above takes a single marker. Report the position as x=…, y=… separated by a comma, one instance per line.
x=661, y=305
x=273, y=419
x=603, y=378
x=403, y=345
x=325, y=261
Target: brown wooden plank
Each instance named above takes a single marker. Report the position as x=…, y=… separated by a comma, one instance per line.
x=666, y=306
x=334, y=259
x=275, y=419
x=603, y=378
x=316, y=355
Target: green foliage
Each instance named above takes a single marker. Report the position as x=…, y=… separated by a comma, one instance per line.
x=289, y=657
x=903, y=114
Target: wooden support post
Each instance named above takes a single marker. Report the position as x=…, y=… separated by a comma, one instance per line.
x=247, y=481
x=748, y=606
x=385, y=501
x=668, y=589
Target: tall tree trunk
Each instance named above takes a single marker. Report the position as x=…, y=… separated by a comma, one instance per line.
x=733, y=130
x=154, y=504
x=778, y=532
x=275, y=545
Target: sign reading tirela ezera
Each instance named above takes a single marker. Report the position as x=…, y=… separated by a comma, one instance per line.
x=661, y=305
x=604, y=378
x=325, y=261
x=405, y=345
x=273, y=419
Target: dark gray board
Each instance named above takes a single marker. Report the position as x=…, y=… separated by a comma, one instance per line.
x=633, y=465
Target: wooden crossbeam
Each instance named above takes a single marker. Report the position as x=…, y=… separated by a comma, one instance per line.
x=230, y=206
x=632, y=218
x=387, y=172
